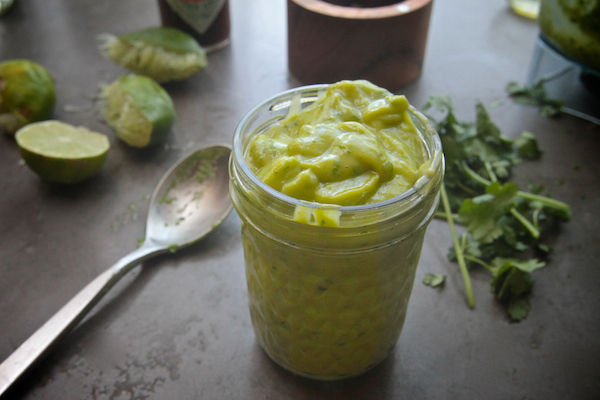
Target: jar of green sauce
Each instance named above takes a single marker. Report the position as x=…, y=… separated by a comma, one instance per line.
x=329, y=284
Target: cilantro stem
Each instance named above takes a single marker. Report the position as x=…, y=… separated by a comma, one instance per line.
x=441, y=214
x=534, y=232
x=466, y=189
x=459, y=252
x=535, y=215
x=480, y=262
x=490, y=171
x=547, y=201
x=463, y=240
x=474, y=175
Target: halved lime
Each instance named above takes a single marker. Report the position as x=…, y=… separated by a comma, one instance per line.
x=26, y=94
x=139, y=109
x=161, y=53
x=62, y=153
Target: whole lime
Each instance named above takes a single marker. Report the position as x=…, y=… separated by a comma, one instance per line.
x=26, y=94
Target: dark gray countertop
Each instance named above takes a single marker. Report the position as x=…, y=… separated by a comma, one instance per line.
x=179, y=327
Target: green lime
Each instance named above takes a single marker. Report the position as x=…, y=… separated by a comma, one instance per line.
x=139, y=109
x=163, y=54
x=62, y=153
x=26, y=94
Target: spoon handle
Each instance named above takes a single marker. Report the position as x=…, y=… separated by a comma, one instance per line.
x=68, y=316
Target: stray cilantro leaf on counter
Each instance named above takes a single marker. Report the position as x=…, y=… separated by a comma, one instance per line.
x=527, y=146
x=434, y=280
x=512, y=284
x=535, y=95
x=510, y=277
x=503, y=226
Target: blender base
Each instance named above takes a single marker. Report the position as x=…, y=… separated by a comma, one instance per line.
x=575, y=85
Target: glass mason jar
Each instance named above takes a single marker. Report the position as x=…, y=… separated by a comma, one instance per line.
x=328, y=302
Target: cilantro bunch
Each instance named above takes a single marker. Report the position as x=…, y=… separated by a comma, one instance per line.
x=504, y=225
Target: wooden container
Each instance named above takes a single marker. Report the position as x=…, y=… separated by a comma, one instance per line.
x=384, y=44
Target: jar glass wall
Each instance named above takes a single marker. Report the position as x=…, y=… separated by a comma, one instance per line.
x=328, y=302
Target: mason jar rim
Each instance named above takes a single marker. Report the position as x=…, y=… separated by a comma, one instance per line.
x=238, y=151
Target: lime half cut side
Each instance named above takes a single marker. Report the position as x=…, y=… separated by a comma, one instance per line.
x=139, y=109
x=161, y=53
x=62, y=153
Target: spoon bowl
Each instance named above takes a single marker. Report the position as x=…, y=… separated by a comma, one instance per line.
x=190, y=201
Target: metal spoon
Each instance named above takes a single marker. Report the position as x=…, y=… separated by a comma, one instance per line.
x=190, y=201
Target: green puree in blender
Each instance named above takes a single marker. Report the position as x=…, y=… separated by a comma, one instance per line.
x=573, y=27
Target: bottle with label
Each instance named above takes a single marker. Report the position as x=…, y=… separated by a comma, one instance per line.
x=206, y=20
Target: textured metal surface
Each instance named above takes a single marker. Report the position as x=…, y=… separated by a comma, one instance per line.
x=179, y=327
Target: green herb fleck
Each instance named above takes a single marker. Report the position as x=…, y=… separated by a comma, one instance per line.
x=434, y=280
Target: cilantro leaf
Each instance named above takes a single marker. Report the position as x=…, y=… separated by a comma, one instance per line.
x=434, y=280
x=480, y=214
x=511, y=278
x=489, y=146
x=512, y=282
x=535, y=95
x=486, y=128
x=544, y=248
x=527, y=145
x=535, y=188
x=441, y=103
x=557, y=212
x=519, y=308
x=470, y=248
x=452, y=132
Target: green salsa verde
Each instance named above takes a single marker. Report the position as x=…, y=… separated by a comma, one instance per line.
x=573, y=27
